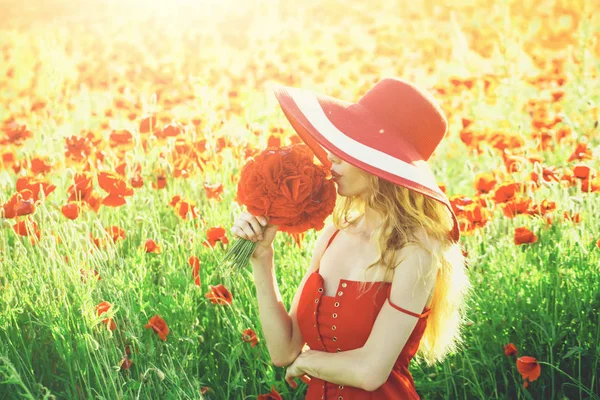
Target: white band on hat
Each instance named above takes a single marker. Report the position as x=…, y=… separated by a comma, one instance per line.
x=312, y=110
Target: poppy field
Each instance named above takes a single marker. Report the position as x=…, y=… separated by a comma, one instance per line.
x=123, y=130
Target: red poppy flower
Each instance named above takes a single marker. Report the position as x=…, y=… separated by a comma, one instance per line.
x=506, y=192
x=214, y=235
x=35, y=185
x=26, y=227
x=524, y=235
x=184, y=207
x=510, y=350
x=214, y=191
x=573, y=217
x=21, y=203
x=273, y=395
x=582, y=171
x=151, y=247
x=70, y=210
x=159, y=326
x=81, y=190
x=115, y=233
x=125, y=363
x=195, y=264
x=529, y=369
x=249, y=336
x=101, y=309
x=219, y=295
x=484, y=182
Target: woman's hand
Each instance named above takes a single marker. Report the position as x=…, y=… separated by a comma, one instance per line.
x=250, y=227
x=293, y=371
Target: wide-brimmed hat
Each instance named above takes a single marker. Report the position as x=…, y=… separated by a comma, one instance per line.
x=390, y=132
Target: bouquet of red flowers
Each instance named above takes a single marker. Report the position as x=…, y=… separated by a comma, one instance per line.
x=285, y=185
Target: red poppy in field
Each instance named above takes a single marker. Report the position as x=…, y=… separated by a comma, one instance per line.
x=35, y=185
x=195, y=264
x=506, y=192
x=78, y=148
x=15, y=134
x=516, y=206
x=116, y=187
x=581, y=153
x=21, y=203
x=70, y=210
x=101, y=309
x=484, y=182
x=120, y=137
x=598, y=244
x=529, y=369
x=26, y=227
x=214, y=235
x=205, y=389
x=219, y=295
x=137, y=181
x=185, y=207
x=125, y=363
x=590, y=185
x=573, y=217
x=161, y=181
x=458, y=202
x=582, y=171
x=273, y=395
x=40, y=166
x=174, y=200
x=524, y=235
x=249, y=336
x=172, y=130
x=82, y=189
x=148, y=123
x=543, y=208
x=115, y=233
x=214, y=191
x=151, y=247
x=159, y=326
x=510, y=350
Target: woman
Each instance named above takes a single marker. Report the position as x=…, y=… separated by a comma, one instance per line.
x=393, y=282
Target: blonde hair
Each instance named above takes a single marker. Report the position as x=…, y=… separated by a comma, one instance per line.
x=405, y=212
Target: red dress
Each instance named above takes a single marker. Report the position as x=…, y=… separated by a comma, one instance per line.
x=343, y=322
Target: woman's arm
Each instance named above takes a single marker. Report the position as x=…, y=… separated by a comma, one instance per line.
x=274, y=318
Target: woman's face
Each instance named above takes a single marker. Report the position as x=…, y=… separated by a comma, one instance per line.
x=350, y=182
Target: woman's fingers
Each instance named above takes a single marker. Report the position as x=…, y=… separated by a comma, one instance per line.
x=249, y=227
x=254, y=225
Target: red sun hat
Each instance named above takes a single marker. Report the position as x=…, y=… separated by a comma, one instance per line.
x=391, y=132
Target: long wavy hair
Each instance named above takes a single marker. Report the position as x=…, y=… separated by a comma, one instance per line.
x=407, y=212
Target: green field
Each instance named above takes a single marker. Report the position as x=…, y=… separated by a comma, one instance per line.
x=518, y=81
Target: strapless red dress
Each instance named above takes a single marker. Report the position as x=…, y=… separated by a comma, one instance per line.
x=343, y=322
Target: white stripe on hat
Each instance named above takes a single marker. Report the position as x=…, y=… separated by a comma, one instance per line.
x=312, y=110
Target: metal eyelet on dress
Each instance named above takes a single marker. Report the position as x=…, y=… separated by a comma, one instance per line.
x=334, y=315
x=335, y=339
x=344, y=284
x=340, y=398
x=341, y=386
x=321, y=289
x=337, y=304
x=338, y=350
x=333, y=327
x=316, y=300
x=340, y=293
